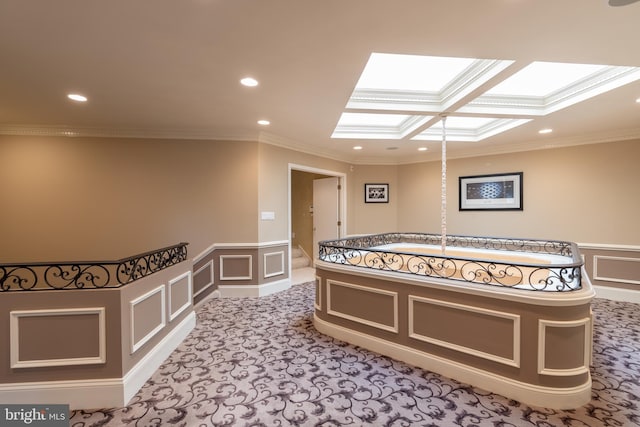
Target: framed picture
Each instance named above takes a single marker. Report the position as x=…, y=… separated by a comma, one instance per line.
x=376, y=193
x=491, y=192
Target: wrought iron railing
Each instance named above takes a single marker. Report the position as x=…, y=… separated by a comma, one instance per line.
x=365, y=251
x=88, y=274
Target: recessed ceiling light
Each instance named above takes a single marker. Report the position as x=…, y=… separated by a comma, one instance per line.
x=249, y=81
x=77, y=97
x=264, y=122
x=357, y=147
x=422, y=149
x=638, y=100
x=543, y=131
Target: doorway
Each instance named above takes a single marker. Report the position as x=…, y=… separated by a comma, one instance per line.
x=317, y=207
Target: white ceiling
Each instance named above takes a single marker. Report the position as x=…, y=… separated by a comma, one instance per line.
x=171, y=68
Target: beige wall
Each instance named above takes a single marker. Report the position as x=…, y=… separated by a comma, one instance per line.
x=273, y=182
x=586, y=194
x=367, y=218
x=107, y=198
x=92, y=198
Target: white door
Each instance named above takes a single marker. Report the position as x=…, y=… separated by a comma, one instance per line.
x=325, y=211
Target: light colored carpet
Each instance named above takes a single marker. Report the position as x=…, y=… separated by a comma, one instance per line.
x=260, y=362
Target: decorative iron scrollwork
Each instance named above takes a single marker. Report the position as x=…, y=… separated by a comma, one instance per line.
x=89, y=275
x=366, y=252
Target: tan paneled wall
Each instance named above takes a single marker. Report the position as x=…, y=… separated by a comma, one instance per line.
x=106, y=198
x=614, y=266
x=488, y=336
x=252, y=266
x=46, y=328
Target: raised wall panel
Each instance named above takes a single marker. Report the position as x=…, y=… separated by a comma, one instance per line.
x=317, y=303
x=179, y=294
x=203, y=278
x=273, y=264
x=616, y=269
x=368, y=306
x=148, y=316
x=465, y=328
x=236, y=267
x=558, y=342
x=57, y=337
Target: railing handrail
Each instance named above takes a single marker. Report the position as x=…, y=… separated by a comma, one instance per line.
x=562, y=275
x=88, y=274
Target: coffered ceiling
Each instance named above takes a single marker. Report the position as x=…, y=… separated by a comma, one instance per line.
x=172, y=69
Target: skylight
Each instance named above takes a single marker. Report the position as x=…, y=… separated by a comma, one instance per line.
x=543, y=78
x=419, y=88
x=468, y=129
x=377, y=126
x=410, y=72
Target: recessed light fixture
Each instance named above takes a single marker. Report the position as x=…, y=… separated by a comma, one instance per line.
x=638, y=100
x=543, y=131
x=264, y=122
x=77, y=97
x=422, y=149
x=357, y=147
x=249, y=82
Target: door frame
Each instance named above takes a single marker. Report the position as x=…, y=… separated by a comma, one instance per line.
x=342, y=208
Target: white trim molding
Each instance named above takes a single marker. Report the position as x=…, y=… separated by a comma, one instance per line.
x=99, y=392
x=547, y=397
x=14, y=333
x=596, y=276
x=274, y=273
x=175, y=313
x=617, y=294
x=317, y=303
x=227, y=291
x=225, y=257
x=211, y=272
x=217, y=246
x=542, y=331
x=135, y=345
x=515, y=319
x=384, y=327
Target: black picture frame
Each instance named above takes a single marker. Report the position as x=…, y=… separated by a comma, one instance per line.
x=376, y=193
x=495, y=192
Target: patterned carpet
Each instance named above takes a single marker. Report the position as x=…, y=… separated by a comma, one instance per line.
x=260, y=362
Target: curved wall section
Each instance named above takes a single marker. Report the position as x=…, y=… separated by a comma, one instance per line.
x=531, y=346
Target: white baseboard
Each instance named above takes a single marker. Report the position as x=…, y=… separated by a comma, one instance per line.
x=142, y=371
x=555, y=398
x=98, y=393
x=227, y=291
x=78, y=394
x=617, y=294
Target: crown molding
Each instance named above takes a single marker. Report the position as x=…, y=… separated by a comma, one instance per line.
x=76, y=132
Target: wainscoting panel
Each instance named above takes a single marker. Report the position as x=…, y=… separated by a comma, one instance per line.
x=48, y=337
x=179, y=294
x=317, y=303
x=203, y=278
x=368, y=306
x=236, y=267
x=148, y=316
x=464, y=328
x=614, y=270
x=273, y=264
x=558, y=342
